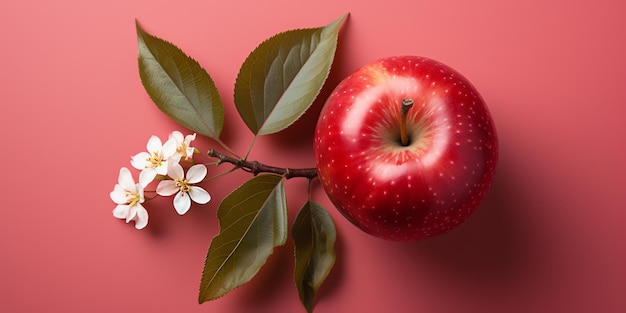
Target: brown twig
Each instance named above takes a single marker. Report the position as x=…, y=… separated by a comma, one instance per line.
x=256, y=167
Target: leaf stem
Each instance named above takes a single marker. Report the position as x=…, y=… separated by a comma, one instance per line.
x=221, y=143
x=221, y=174
x=250, y=147
x=309, y=189
x=256, y=167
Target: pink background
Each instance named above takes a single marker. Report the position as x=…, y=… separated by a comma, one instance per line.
x=549, y=238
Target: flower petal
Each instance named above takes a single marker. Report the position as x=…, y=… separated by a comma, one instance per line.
x=174, y=158
x=147, y=176
x=139, y=191
x=125, y=179
x=189, y=139
x=118, y=195
x=141, y=219
x=176, y=136
x=169, y=148
x=196, y=173
x=167, y=188
x=175, y=171
x=121, y=211
x=182, y=203
x=140, y=160
x=154, y=144
x=199, y=195
x=132, y=213
x=189, y=153
x=189, y=150
x=162, y=168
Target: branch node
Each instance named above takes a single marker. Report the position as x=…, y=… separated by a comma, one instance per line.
x=256, y=167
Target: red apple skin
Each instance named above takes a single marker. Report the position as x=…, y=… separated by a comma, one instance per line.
x=413, y=192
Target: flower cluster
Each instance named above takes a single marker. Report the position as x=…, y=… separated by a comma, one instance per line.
x=162, y=161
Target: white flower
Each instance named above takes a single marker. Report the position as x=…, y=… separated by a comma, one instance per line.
x=155, y=161
x=182, y=185
x=129, y=197
x=183, y=145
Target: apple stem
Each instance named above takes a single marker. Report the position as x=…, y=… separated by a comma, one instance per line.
x=407, y=104
x=256, y=167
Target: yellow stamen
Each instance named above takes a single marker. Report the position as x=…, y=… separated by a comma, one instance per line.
x=183, y=184
x=155, y=160
x=182, y=150
x=132, y=198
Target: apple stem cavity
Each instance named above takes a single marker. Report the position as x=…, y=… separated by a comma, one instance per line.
x=256, y=167
x=407, y=104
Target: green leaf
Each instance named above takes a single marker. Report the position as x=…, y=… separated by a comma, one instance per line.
x=314, y=238
x=253, y=220
x=281, y=78
x=179, y=86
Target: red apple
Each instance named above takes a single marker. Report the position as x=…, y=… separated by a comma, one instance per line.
x=414, y=190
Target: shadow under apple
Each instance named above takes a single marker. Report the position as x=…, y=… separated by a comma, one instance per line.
x=490, y=245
